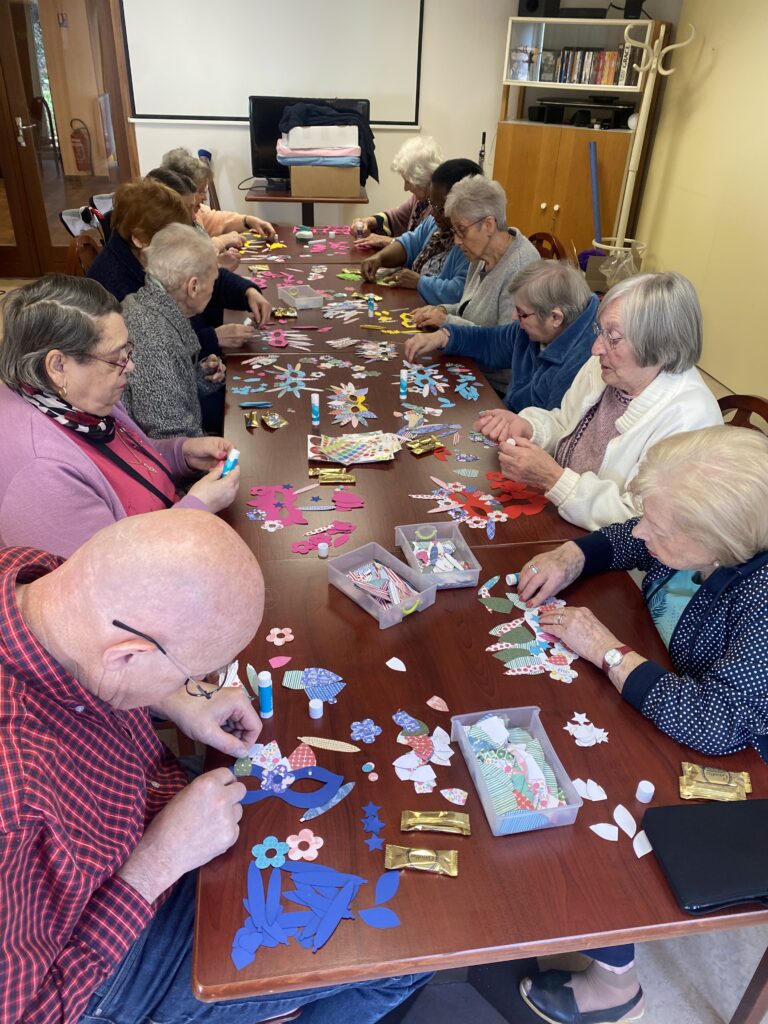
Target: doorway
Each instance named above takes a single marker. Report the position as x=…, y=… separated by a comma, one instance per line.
x=64, y=132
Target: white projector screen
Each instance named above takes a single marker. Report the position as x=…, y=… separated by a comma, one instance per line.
x=197, y=60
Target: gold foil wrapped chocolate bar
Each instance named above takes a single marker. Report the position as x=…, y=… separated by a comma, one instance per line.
x=435, y=821
x=436, y=862
x=424, y=445
x=704, y=782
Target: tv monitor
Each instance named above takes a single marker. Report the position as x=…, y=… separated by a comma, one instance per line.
x=264, y=115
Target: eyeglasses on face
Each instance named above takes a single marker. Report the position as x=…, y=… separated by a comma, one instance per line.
x=612, y=339
x=215, y=680
x=122, y=363
x=461, y=233
x=521, y=314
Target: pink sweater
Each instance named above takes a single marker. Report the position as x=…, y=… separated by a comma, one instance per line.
x=219, y=222
x=52, y=494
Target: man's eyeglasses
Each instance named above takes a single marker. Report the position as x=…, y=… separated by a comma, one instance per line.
x=462, y=232
x=122, y=363
x=612, y=339
x=215, y=680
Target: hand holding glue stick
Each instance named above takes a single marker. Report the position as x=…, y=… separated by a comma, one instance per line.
x=230, y=463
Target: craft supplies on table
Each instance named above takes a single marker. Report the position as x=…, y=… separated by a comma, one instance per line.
x=348, y=449
x=419, y=596
x=300, y=296
x=519, y=778
x=440, y=553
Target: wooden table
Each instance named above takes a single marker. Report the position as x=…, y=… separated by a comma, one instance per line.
x=336, y=249
x=263, y=195
x=549, y=891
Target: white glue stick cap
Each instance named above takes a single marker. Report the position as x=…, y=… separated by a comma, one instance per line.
x=645, y=791
x=315, y=708
x=322, y=549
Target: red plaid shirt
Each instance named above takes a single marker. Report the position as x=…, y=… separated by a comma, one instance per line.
x=79, y=781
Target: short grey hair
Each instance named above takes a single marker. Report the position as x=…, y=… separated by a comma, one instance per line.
x=416, y=160
x=661, y=319
x=183, y=161
x=715, y=481
x=477, y=197
x=178, y=253
x=56, y=312
x=548, y=284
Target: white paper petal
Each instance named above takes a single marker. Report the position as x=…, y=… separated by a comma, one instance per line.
x=580, y=787
x=396, y=665
x=595, y=791
x=624, y=820
x=641, y=844
x=495, y=729
x=606, y=831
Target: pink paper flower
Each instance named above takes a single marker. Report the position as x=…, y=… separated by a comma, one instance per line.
x=304, y=846
x=278, y=637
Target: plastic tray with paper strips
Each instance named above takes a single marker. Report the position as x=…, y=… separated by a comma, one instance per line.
x=390, y=614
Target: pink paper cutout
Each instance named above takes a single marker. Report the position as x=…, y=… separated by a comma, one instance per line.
x=277, y=503
x=346, y=501
x=302, y=757
x=278, y=662
x=336, y=534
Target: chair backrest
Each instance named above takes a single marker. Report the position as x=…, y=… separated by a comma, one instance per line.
x=549, y=247
x=744, y=407
x=213, y=199
x=83, y=250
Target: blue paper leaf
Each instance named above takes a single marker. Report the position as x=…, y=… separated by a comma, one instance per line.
x=333, y=916
x=273, y=896
x=386, y=886
x=379, y=917
x=245, y=944
x=256, y=894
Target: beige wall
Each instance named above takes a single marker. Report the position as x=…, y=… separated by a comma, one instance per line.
x=704, y=210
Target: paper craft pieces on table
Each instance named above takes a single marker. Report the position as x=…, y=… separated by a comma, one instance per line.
x=605, y=831
x=624, y=820
x=437, y=556
x=279, y=661
x=396, y=665
x=350, y=449
x=641, y=844
x=347, y=501
x=349, y=275
x=276, y=504
x=514, y=767
x=347, y=404
x=438, y=704
x=467, y=384
x=318, y=683
x=292, y=380
x=304, y=845
x=373, y=824
x=279, y=636
x=584, y=732
x=589, y=790
x=527, y=649
x=323, y=743
x=335, y=535
x=277, y=775
x=270, y=852
x=478, y=438
x=465, y=504
x=424, y=380
x=315, y=812
x=381, y=583
x=455, y=796
x=326, y=897
x=365, y=730
x=415, y=766
x=285, y=337
x=518, y=499
x=376, y=351
x=342, y=342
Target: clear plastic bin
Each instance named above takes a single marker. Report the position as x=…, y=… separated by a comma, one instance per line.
x=440, y=531
x=300, y=296
x=391, y=614
x=518, y=821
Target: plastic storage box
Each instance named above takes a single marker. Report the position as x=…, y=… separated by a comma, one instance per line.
x=440, y=531
x=518, y=821
x=300, y=296
x=391, y=614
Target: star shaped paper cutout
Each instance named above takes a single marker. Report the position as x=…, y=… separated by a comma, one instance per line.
x=373, y=824
x=371, y=809
x=374, y=842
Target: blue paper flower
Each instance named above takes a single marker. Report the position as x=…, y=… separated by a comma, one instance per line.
x=270, y=852
x=367, y=730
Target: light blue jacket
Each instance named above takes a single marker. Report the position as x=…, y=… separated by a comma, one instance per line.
x=448, y=285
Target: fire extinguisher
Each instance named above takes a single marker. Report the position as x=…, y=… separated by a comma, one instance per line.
x=81, y=145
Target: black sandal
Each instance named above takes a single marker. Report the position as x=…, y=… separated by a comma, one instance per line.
x=551, y=998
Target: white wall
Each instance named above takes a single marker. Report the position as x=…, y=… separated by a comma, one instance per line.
x=462, y=62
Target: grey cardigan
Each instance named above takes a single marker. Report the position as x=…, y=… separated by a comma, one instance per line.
x=162, y=392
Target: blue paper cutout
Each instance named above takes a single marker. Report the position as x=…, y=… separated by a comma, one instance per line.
x=379, y=917
x=373, y=823
x=387, y=886
x=370, y=809
x=406, y=722
x=314, y=799
x=365, y=730
x=374, y=842
x=315, y=812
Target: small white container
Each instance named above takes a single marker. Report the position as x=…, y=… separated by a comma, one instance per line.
x=440, y=531
x=388, y=615
x=518, y=821
x=300, y=296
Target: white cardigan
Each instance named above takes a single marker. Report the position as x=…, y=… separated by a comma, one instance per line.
x=671, y=404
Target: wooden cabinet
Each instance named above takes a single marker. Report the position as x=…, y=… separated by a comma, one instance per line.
x=544, y=170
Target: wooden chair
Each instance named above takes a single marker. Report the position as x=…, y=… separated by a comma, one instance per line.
x=213, y=199
x=743, y=408
x=549, y=247
x=83, y=250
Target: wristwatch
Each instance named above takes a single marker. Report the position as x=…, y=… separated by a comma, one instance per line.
x=614, y=656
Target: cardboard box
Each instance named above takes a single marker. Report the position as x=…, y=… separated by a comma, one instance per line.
x=308, y=182
x=595, y=279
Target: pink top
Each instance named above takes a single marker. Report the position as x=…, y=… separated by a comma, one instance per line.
x=583, y=450
x=219, y=222
x=133, y=496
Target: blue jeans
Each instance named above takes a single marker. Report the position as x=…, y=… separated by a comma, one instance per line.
x=152, y=984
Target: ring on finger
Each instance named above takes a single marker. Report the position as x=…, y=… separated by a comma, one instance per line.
x=534, y=569
x=559, y=620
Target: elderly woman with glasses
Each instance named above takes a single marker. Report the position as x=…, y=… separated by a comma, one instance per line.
x=426, y=258
x=73, y=461
x=542, y=349
x=415, y=162
x=702, y=542
x=640, y=386
x=163, y=392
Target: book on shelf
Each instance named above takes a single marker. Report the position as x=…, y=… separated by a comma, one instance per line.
x=578, y=65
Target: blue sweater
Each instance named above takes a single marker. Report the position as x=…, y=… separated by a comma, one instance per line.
x=540, y=376
x=118, y=270
x=716, y=699
x=448, y=285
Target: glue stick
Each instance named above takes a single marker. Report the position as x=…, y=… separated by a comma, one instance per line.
x=403, y=385
x=314, y=401
x=371, y=307
x=231, y=462
x=266, y=709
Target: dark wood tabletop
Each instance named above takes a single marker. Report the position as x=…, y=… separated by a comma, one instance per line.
x=547, y=891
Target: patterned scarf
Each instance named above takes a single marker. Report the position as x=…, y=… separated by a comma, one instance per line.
x=98, y=429
x=432, y=257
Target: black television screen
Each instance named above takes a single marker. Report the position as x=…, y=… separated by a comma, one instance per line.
x=264, y=114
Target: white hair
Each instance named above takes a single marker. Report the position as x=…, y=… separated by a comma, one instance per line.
x=476, y=197
x=178, y=253
x=416, y=160
x=715, y=483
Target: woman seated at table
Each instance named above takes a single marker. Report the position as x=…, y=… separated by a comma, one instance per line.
x=702, y=541
x=224, y=226
x=163, y=391
x=546, y=344
x=640, y=386
x=73, y=461
x=431, y=263
x=415, y=161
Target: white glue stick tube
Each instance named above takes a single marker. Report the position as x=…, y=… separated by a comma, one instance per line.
x=231, y=462
x=266, y=708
